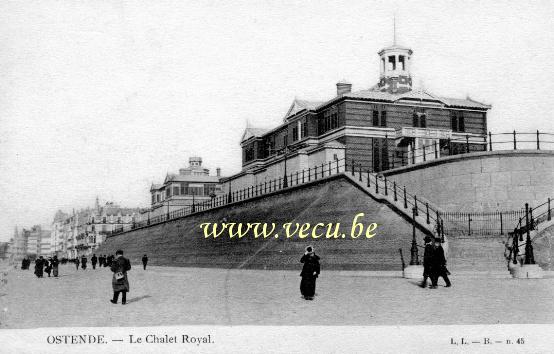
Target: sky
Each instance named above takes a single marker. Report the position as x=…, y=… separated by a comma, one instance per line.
x=102, y=98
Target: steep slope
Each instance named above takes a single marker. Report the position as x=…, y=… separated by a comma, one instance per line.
x=333, y=200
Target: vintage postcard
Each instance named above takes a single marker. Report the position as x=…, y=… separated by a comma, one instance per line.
x=276, y=176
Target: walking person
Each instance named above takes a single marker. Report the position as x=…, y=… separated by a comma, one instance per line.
x=48, y=266
x=100, y=261
x=120, y=283
x=55, y=263
x=144, y=261
x=39, y=264
x=427, y=260
x=77, y=263
x=309, y=274
x=94, y=260
x=439, y=266
x=84, y=262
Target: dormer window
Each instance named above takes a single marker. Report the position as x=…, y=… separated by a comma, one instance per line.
x=401, y=62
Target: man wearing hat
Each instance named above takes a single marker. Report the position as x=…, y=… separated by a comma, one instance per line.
x=439, y=265
x=309, y=273
x=427, y=260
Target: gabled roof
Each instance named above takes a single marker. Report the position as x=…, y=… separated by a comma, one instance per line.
x=300, y=105
x=253, y=132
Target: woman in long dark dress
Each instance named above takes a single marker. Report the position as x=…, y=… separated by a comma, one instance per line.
x=39, y=264
x=309, y=273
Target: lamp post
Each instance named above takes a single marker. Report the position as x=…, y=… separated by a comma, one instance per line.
x=529, y=257
x=229, y=196
x=414, y=253
x=285, y=183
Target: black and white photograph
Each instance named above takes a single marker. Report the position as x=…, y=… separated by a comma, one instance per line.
x=276, y=176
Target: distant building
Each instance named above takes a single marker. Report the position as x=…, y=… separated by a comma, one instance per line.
x=193, y=184
x=57, y=235
x=18, y=245
x=4, y=250
x=82, y=232
x=38, y=242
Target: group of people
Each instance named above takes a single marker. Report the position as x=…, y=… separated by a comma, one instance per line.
x=102, y=261
x=434, y=263
x=43, y=265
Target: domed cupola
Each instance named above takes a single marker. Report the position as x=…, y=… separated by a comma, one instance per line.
x=395, y=63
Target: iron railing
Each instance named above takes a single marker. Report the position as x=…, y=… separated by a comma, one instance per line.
x=494, y=223
x=532, y=218
x=377, y=183
x=489, y=142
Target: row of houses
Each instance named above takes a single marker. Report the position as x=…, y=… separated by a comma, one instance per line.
x=81, y=232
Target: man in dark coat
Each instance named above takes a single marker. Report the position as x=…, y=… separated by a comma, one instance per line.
x=77, y=263
x=84, y=262
x=23, y=263
x=100, y=261
x=439, y=265
x=309, y=274
x=55, y=263
x=427, y=260
x=144, y=261
x=120, y=283
x=39, y=264
x=94, y=260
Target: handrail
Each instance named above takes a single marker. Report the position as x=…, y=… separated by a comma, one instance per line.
x=324, y=170
x=399, y=158
x=531, y=223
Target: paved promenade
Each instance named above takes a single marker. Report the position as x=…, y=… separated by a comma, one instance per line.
x=189, y=296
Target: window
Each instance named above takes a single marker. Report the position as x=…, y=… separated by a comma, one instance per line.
x=167, y=191
x=382, y=64
x=401, y=62
x=379, y=116
x=294, y=133
x=183, y=188
x=249, y=153
x=383, y=118
x=304, y=129
x=457, y=121
x=175, y=190
x=392, y=62
x=157, y=198
x=419, y=118
x=375, y=118
x=153, y=198
x=329, y=120
x=285, y=140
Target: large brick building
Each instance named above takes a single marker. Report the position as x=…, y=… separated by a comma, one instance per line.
x=387, y=125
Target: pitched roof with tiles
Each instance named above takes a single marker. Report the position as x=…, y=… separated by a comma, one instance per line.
x=300, y=105
x=253, y=132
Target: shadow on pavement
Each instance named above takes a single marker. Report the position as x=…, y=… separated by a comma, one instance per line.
x=135, y=299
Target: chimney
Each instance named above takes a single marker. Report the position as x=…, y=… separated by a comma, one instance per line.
x=343, y=87
x=218, y=172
